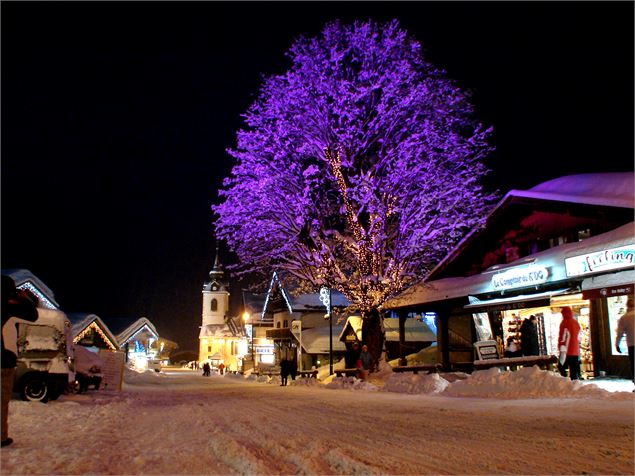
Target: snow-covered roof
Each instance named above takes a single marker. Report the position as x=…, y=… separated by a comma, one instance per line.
x=415, y=331
x=217, y=330
x=316, y=340
x=552, y=258
x=614, y=189
x=135, y=327
x=81, y=321
x=25, y=279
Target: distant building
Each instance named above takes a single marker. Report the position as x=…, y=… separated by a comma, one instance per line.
x=222, y=337
x=25, y=279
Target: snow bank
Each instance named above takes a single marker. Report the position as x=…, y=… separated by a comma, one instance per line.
x=351, y=383
x=526, y=382
x=142, y=377
x=415, y=383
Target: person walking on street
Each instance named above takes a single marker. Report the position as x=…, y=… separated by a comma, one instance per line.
x=569, y=345
x=626, y=328
x=15, y=305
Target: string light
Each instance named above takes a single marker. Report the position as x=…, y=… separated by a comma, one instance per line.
x=95, y=328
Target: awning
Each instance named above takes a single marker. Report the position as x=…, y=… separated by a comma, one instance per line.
x=521, y=301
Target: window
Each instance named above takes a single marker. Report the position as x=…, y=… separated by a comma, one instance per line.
x=617, y=308
x=278, y=324
x=285, y=324
x=214, y=305
x=209, y=348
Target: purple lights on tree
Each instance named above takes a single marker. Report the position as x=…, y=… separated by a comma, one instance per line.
x=358, y=168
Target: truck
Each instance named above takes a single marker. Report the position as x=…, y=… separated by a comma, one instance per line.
x=45, y=366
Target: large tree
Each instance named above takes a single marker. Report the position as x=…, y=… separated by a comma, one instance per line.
x=358, y=168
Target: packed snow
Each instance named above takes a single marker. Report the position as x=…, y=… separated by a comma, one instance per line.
x=176, y=421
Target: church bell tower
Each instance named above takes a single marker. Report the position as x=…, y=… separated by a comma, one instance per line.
x=215, y=295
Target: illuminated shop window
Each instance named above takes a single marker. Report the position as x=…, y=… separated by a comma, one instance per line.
x=617, y=307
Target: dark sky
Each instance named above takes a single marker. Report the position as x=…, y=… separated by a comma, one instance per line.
x=116, y=117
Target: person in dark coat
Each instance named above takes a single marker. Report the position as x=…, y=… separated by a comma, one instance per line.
x=529, y=336
x=284, y=372
x=20, y=305
x=352, y=355
x=206, y=370
x=293, y=369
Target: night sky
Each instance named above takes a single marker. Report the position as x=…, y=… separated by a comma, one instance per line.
x=116, y=117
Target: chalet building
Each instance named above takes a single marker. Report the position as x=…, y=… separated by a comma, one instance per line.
x=138, y=339
x=566, y=242
x=299, y=330
x=222, y=337
x=90, y=331
x=26, y=280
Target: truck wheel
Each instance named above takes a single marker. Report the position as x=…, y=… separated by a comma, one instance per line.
x=35, y=389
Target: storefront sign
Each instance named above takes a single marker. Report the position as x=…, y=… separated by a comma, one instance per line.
x=607, y=292
x=605, y=260
x=520, y=277
x=264, y=349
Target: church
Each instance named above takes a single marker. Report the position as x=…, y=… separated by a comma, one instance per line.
x=222, y=338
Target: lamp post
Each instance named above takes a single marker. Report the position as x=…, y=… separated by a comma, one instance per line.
x=325, y=297
x=246, y=317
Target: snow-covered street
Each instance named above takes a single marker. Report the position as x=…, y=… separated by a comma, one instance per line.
x=178, y=422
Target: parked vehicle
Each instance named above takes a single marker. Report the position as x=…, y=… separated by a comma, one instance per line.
x=45, y=367
x=87, y=369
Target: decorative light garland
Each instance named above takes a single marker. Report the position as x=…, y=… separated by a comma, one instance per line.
x=94, y=327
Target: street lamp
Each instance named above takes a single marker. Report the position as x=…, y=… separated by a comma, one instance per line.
x=246, y=318
x=325, y=297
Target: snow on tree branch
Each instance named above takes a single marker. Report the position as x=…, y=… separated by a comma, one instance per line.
x=358, y=168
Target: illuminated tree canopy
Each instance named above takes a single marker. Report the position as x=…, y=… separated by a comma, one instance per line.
x=358, y=168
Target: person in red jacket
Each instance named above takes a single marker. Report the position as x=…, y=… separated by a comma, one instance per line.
x=569, y=345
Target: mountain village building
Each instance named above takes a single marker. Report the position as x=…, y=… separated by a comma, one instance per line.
x=222, y=337
x=566, y=242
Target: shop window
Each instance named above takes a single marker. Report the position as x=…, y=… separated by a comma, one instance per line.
x=482, y=326
x=214, y=305
x=617, y=307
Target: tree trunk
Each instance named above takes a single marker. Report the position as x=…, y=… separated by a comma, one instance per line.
x=373, y=335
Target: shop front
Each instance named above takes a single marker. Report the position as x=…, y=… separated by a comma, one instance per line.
x=493, y=304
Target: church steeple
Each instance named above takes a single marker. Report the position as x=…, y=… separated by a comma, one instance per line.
x=217, y=272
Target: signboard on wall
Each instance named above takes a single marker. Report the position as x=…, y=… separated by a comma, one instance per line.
x=607, y=292
x=600, y=261
x=520, y=277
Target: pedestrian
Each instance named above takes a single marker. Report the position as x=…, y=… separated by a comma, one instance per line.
x=206, y=370
x=284, y=372
x=529, y=336
x=221, y=368
x=512, y=349
x=366, y=362
x=569, y=345
x=15, y=305
x=626, y=328
x=352, y=355
x=293, y=368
